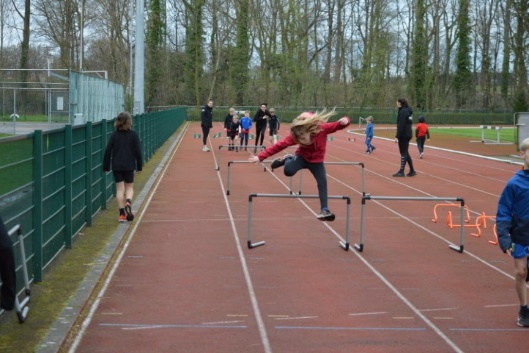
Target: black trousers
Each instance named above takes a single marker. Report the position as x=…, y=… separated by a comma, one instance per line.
x=293, y=165
x=7, y=270
x=404, y=144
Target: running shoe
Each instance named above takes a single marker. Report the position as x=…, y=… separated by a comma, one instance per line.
x=412, y=173
x=122, y=218
x=523, y=317
x=280, y=161
x=326, y=215
x=399, y=174
x=128, y=211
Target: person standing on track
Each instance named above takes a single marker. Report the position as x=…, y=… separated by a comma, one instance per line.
x=370, y=133
x=273, y=126
x=206, y=122
x=227, y=121
x=124, y=147
x=260, y=119
x=309, y=131
x=403, y=136
x=246, y=125
x=512, y=227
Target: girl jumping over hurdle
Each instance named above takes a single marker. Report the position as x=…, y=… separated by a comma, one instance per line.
x=309, y=131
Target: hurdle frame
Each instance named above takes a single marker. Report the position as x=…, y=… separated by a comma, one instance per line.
x=218, y=157
x=343, y=245
x=291, y=191
x=360, y=245
x=21, y=307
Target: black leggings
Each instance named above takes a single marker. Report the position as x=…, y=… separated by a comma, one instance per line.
x=205, y=134
x=293, y=165
x=259, y=134
x=404, y=144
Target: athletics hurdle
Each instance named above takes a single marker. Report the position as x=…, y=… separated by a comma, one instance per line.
x=251, y=245
x=242, y=162
x=21, y=307
x=498, y=133
x=360, y=246
x=217, y=161
x=300, y=174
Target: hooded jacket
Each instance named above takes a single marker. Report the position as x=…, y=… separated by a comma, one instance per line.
x=512, y=217
x=313, y=153
x=404, y=120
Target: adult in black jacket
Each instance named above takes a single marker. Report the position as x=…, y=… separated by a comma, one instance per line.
x=206, y=122
x=260, y=118
x=403, y=136
x=125, y=149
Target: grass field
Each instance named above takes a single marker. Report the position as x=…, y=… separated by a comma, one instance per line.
x=475, y=133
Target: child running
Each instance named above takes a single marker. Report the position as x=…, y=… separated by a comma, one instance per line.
x=246, y=125
x=370, y=132
x=421, y=134
x=309, y=131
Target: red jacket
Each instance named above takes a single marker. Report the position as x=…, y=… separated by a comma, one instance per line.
x=313, y=153
x=421, y=130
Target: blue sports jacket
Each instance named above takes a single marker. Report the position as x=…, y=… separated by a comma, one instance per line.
x=512, y=217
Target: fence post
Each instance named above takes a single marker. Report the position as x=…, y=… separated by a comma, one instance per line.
x=88, y=170
x=104, y=194
x=37, y=213
x=68, y=186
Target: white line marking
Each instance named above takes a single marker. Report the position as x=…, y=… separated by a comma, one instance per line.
x=246, y=271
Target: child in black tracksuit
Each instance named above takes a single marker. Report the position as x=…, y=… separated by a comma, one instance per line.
x=233, y=132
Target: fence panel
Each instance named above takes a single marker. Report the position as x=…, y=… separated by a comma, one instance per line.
x=53, y=183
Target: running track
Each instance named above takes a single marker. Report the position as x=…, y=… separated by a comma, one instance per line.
x=185, y=281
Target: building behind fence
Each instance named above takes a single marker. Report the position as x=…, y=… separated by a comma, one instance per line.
x=61, y=96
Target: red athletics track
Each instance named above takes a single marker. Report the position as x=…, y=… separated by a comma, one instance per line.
x=188, y=283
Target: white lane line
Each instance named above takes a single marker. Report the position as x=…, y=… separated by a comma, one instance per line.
x=253, y=298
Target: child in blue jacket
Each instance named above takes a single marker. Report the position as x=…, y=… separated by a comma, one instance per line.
x=512, y=227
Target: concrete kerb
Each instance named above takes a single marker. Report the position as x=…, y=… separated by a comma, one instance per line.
x=64, y=323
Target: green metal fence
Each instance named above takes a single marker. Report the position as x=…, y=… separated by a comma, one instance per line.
x=53, y=183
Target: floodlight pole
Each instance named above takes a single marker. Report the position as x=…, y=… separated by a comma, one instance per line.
x=139, y=98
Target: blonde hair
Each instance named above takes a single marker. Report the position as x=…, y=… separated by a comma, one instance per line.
x=232, y=110
x=309, y=123
x=369, y=118
x=123, y=122
x=524, y=145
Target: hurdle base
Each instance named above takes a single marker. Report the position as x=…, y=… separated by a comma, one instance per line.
x=255, y=245
x=22, y=309
x=359, y=247
x=459, y=249
x=344, y=245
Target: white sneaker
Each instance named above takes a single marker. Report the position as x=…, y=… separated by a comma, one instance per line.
x=205, y=149
x=420, y=155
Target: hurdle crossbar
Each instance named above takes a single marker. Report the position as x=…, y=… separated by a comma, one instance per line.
x=251, y=245
x=291, y=191
x=217, y=162
x=360, y=245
